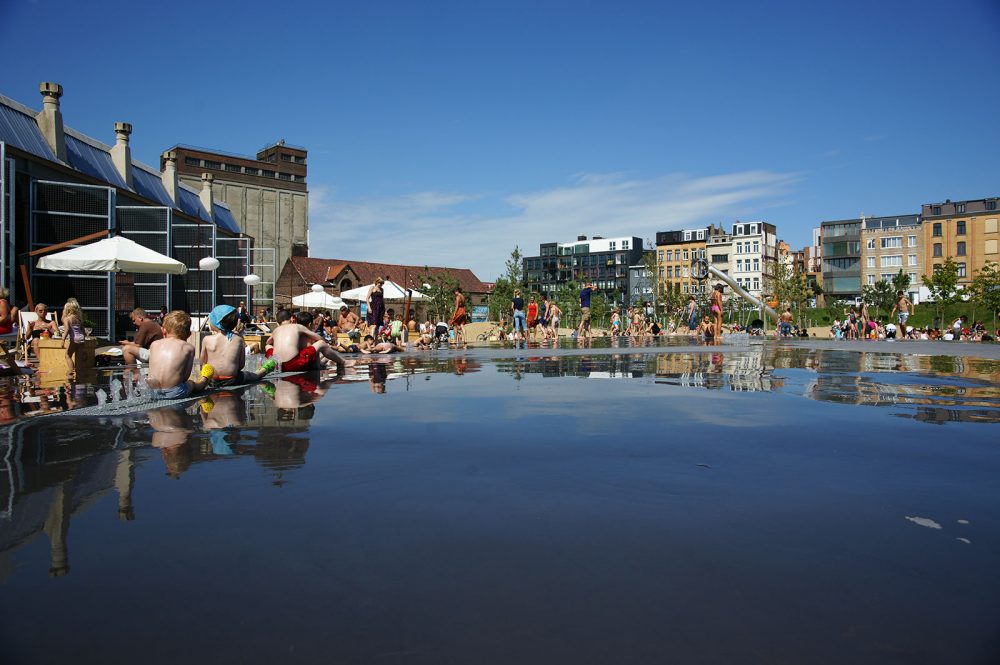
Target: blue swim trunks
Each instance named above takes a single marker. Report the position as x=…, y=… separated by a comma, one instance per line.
x=180, y=391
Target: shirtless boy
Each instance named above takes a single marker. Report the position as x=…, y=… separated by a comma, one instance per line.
x=348, y=323
x=903, y=306
x=171, y=360
x=225, y=350
x=283, y=317
x=299, y=349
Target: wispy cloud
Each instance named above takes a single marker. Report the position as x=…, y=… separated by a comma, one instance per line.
x=478, y=231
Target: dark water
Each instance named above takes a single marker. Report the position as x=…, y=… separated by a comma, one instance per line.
x=756, y=505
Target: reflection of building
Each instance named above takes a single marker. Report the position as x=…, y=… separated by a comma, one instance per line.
x=603, y=261
x=966, y=231
x=738, y=372
x=888, y=245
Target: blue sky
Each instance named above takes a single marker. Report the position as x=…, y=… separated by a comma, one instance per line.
x=447, y=132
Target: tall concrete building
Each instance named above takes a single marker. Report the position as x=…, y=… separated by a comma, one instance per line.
x=267, y=194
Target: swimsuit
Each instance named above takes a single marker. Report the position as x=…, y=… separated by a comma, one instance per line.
x=306, y=359
x=715, y=309
x=179, y=391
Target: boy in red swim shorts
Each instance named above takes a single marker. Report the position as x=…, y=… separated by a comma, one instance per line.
x=298, y=348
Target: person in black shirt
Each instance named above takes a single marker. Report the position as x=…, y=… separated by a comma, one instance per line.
x=520, y=323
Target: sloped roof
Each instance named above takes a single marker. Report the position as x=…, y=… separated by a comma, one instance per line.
x=18, y=128
x=311, y=270
x=368, y=271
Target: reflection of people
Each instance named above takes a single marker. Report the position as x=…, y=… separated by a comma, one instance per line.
x=294, y=392
x=172, y=426
x=377, y=376
x=147, y=332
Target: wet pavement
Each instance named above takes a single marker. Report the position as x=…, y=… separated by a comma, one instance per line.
x=761, y=502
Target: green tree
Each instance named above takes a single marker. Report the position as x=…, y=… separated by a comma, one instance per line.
x=442, y=294
x=500, y=298
x=789, y=288
x=900, y=282
x=985, y=289
x=514, y=268
x=881, y=295
x=943, y=285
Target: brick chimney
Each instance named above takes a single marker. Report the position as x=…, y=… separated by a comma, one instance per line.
x=121, y=154
x=49, y=119
x=206, y=193
x=169, y=174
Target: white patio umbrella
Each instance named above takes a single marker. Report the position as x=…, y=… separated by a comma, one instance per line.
x=392, y=293
x=114, y=254
x=320, y=299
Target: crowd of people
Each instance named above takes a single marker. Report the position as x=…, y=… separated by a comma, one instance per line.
x=859, y=324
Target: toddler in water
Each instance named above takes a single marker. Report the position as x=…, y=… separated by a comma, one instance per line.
x=225, y=350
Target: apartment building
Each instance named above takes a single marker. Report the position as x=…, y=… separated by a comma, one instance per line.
x=966, y=231
x=754, y=254
x=841, y=247
x=674, y=252
x=891, y=244
x=603, y=261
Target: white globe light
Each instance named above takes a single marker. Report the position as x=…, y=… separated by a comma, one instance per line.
x=251, y=280
x=317, y=288
x=208, y=263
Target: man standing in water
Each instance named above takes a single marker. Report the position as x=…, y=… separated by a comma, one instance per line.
x=585, y=293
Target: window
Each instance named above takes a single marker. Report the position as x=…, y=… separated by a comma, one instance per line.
x=937, y=249
x=756, y=284
x=739, y=265
x=286, y=158
x=756, y=264
x=720, y=258
x=624, y=244
x=871, y=243
x=701, y=235
x=991, y=247
x=935, y=210
x=670, y=272
x=685, y=274
x=670, y=255
x=911, y=241
x=960, y=227
x=267, y=174
x=892, y=261
x=701, y=252
x=687, y=235
x=300, y=160
x=661, y=256
x=661, y=272
x=886, y=277
x=937, y=230
x=213, y=165
x=611, y=245
x=284, y=176
x=686, y=255
x=739, y=248
x=191, y=161
x=991, y=226
x=753, y=228
x=252, y=171
x=871, y=261
x=233, y=168
x=911, y=260
x=959, y=207
x=960, y=249
x=871, y=280
x=892, y=242
x=961, y=269
x=991, y=205
x=913, y=277
x=685, y=288
x=937, y=267
x=756, y=248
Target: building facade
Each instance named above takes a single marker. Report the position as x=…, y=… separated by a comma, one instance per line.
x=603, y=261
x=841, y=247
x=891, y=244
x=267, y=195
x=675, y=250
x=755, y=253
x=966, y=231
x=59, y=187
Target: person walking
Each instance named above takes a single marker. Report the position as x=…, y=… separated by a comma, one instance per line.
x=376, y=305
x=554, y=313
x=583, y=330
x=459, y=317
x=692, y=314
x=904, y=307
x=533, y=317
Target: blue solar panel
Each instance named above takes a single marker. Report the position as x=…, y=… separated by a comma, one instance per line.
x=21, y=131
x=224, y=219
x=92, y=161
x=190, y=203
x=150, y=186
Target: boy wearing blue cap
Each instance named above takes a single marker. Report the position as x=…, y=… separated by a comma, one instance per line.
x=226, y=350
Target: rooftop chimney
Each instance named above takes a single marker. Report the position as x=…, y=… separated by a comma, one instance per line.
x=206, y=192
x=169, y=174
x=49, y=119
x=121, y=154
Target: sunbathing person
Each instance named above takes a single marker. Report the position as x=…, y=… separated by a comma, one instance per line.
x=225, y=350
x=171, y=360
x=299, y=349
x=369, y=346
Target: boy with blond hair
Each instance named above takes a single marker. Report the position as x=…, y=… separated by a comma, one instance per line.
x=171, y=360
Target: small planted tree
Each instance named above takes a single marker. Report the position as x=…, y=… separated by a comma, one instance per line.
x=943, y=285
x=881, y=295
x=985, y=289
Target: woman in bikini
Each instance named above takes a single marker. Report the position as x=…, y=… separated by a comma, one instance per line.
x=72, y=319
x=717, y=312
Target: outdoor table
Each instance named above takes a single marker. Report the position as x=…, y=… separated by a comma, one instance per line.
x=52, y=355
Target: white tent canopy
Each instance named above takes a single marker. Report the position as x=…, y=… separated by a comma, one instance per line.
x=321, y=299
x=392, y=292
x=115, y=254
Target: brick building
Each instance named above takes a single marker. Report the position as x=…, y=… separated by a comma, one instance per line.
x=964, y=230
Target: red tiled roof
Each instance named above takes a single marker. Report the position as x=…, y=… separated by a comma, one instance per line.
x=312, y=271
x=367, y=272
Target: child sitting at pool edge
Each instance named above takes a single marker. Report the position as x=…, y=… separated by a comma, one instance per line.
x=226, y=350
x=171, y=360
